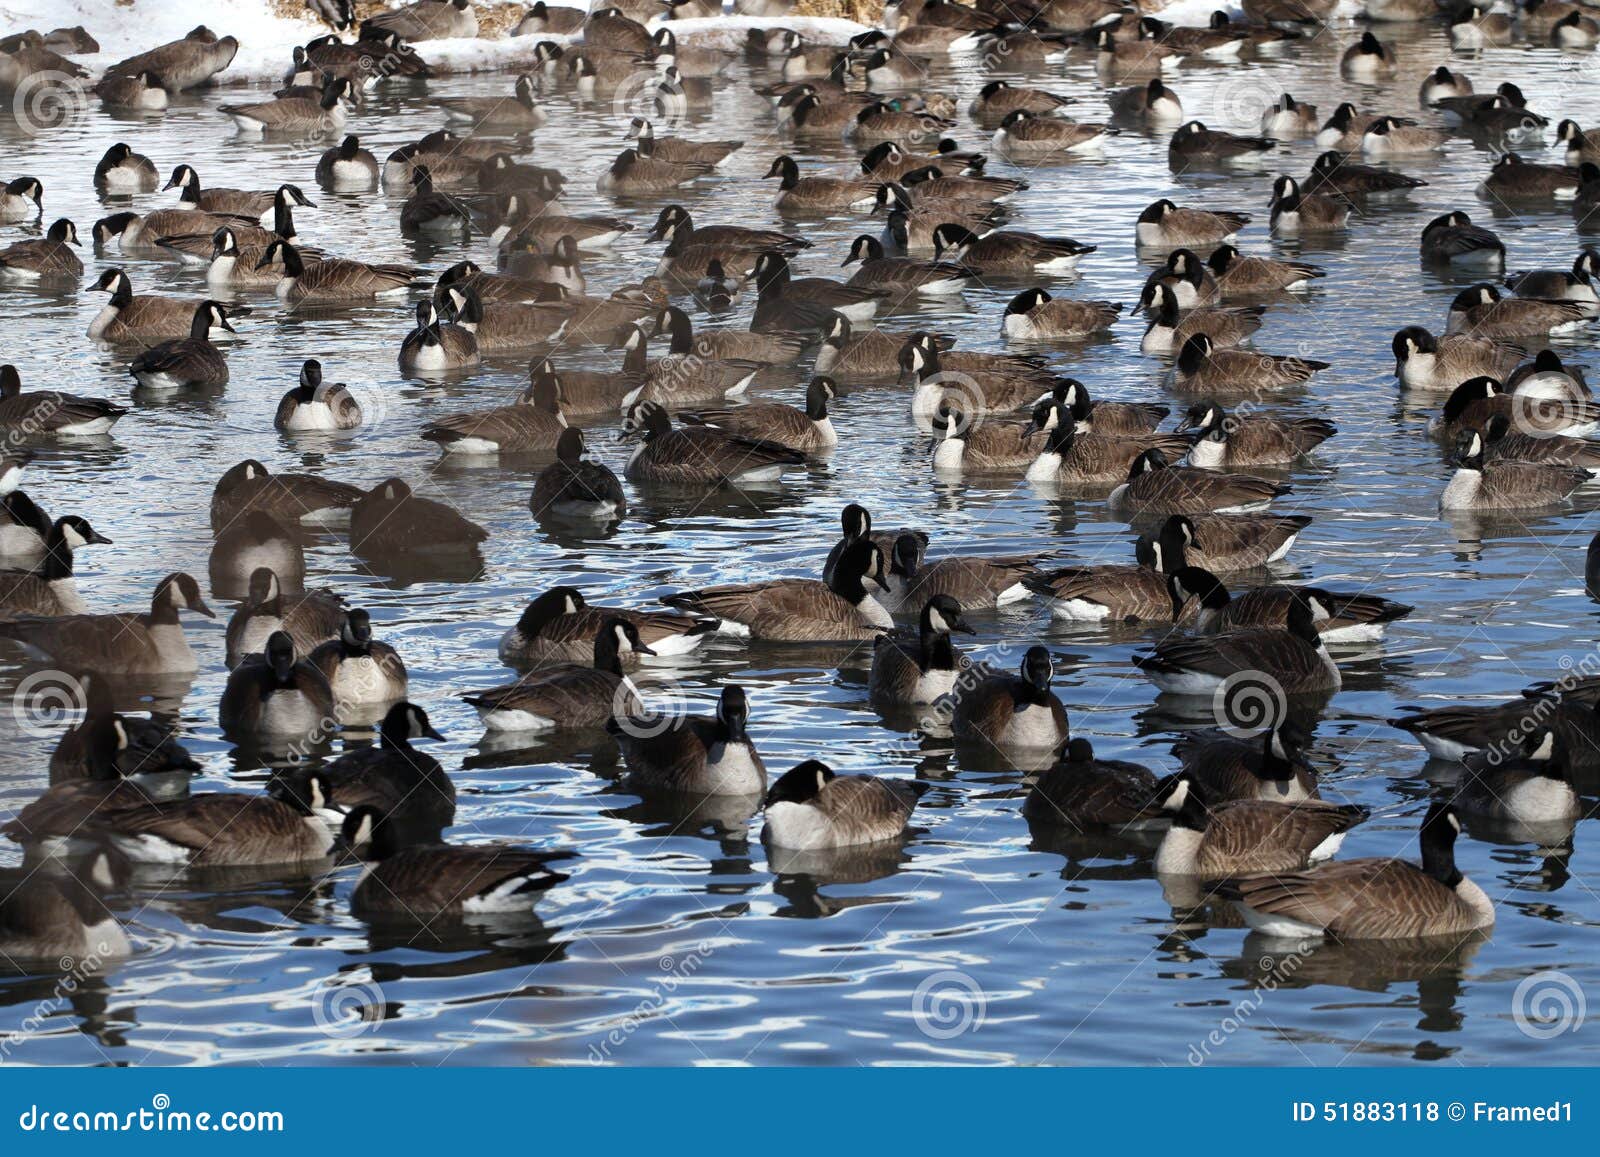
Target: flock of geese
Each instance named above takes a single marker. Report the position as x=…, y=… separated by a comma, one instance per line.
x=1244, y=815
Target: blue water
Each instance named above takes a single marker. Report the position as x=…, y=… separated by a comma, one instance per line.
x=678, y=941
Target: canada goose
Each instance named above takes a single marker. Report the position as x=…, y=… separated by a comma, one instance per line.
x=706, y=756
x=691, y=455
x=1502, y=441
x=560, y=627
x=542, y=18
x=886, y=121
x=1575, y=30
x=427, y=20
x=526, y=222
x=306, y=115
x=1114, y=593
x=1106, y=418
x=1441, y=84
x=44, y=259
x=360, y=669
x=222, y=829
x=568, y=695
x=930, y=186
x=1241, y=276
x=1582, y=145
x=1194, y=144
x=810, y=807
x=1368, y=60
x=50, y=591
x=812, y=194
x=989, y=446
x=1229, y=767
x=675, y=225
x=290, y=498
x=676, y=379
x=1170, y=330
x=1454, y=240
x=192, y=362
x=976, y=583
x=999, y=97
x=1190, y=279
x=1243, y=836
x=21, y=200
x=1083, y=791
x=911, y=227
x=127, y=317
x=1168, y=226
x=1350, y=618
x=903, y=276
x=855, y=524
x=1485, y=312
x=1153, y=103
x=1514, y=179
x=194, y=238
x=394, y=778
x=802, y=610
x=436, y=344
x=237, y=265
x=979, y=383
x=1287, y=119
x=726, y=344
x=868, y=356
x=317, y=405
x=1008, y=252
x=1388, y=137
x=778, y=289
x=1153, y=488
x=421, y=882
x=1229, y=542
x=276, y=693
x=1426, y=362
x=333, y=279
x=1225, y=441
x=1470, y=30
x=61, y=918
x=1294, y=212
x=427, y=210
x=1290, y=660
x=1033, y=315
x=636, y=172
x=1115, y=57
x=1334, y=174
x=882, y=69
x=1073, y=456
x=1371, y=899
x=1502, y=484
x=227, y=202
x=517, y=113
x=1586, y=200
x=389, y=518
x=132, y=644
x=1202, y=367
x=50, y=413
x=556, y=263
x=807, y=431
x=1497, y=120
x=310, y=618
x=575, y=487
x=347, y=166
x=23, y=526
x=1029, y=134
x=533, y=422
x=1560, y=285
x=918, y=667
x=256, y=539
x=493, y=287
x=1011, y=711
x=1217, y=40
x=183, y=64
x=122, y=171
x=1476, y=401
x=1539, y=18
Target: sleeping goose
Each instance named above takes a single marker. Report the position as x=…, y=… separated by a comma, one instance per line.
x=1226, y=441
x=811, y=807
x=317, y=405
x=975, y=582
x=1229, y=767
x=801, y=610
x=576, y=487
x=1074, y=457
x=699, y=455
x=1033, y=315
x=568, y=696
x=1115, y=593
x=150, y=643
x=290, y=498
x=1081, y=790
x=1202, y=367
x=223, y=829
x=1153, y=487
x=560, y=627
x=1229, y=542
x=1371, y=899
x=122, y=172
x=390, y=519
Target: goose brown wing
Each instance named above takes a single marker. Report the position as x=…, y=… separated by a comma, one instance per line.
x=1359, y=899
x=441, y=878
x=1249, y=836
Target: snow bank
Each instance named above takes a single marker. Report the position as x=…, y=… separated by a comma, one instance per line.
x=266, y=37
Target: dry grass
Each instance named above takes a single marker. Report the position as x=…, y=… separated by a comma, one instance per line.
x=861, y=11
x=494, y=20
